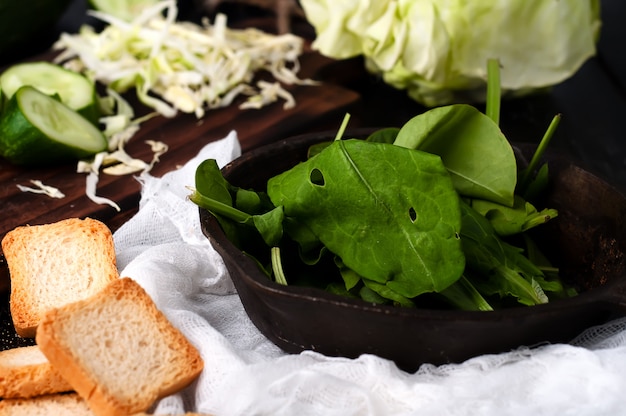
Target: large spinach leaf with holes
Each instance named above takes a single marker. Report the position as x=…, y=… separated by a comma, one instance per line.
x=402, y=233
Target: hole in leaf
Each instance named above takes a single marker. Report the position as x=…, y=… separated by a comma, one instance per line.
x=316, y=177
x=412, y=214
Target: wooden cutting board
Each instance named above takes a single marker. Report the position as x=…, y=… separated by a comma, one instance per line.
x=317, y=107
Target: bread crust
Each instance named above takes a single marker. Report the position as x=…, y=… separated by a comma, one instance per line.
x=70, y=404
x=112, y=388
x=25, y=372
x=54, y=264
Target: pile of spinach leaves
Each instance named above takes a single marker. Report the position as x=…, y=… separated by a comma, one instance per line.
x=422, y=211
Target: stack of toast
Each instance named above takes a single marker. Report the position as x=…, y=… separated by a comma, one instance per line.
x=102, y=346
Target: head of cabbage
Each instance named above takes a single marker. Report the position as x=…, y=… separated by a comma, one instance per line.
x=438, y=49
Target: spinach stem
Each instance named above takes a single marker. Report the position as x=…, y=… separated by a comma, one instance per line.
x=539, y=218
x=343, y=126
x=493, y=90
x=217, y=207
x=534, y=162
x=277, y=266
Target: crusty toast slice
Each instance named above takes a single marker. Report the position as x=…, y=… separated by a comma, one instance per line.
x=70, y=404
x=25, y=372
x=54, y=264
x=117, y=350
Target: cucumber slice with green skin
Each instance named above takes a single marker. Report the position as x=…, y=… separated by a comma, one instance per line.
x=36, y=129
x=74, y=89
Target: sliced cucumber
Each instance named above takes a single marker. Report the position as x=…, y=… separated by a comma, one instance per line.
x=74, y=89
x=36, y=129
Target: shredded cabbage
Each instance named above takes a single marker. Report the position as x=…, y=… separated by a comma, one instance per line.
x=437, y=49
x=181, y=66
x=92, y=169
x=41, y=188
x=120, y=125
x=173, y=66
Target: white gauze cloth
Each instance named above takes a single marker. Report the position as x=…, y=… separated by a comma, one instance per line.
x=162, y=248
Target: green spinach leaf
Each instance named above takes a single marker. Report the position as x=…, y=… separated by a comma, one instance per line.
x=385, y=135
x=503, y=268
x=402, y=233
x=254, y=210
x=472, y=147
x=464, y=296
x=522, y=216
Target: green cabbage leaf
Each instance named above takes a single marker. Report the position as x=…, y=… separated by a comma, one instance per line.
x=437, y=49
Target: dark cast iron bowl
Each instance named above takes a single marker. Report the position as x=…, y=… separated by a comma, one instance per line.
x=586, y=241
